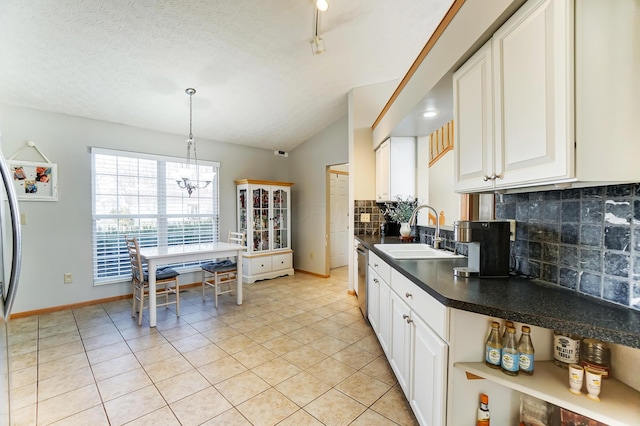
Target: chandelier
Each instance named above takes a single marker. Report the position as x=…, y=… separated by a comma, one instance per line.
x=186, y=178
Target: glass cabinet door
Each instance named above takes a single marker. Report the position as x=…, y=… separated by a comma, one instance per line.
x=280, y=198
x=242, y=211
x=260, y=225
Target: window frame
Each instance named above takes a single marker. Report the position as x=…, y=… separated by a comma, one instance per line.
x=120, y=269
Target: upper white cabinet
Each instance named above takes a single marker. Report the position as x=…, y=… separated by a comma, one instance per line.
x=513, y=103
x=396, y=169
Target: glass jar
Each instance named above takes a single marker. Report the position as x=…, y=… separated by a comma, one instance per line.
x=566, y=348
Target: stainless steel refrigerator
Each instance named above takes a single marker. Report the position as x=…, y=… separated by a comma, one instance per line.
x=10, y=255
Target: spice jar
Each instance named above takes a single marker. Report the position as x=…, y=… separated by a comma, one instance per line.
x=596, y=355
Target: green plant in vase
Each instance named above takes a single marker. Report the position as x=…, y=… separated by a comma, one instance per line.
x=400, y=211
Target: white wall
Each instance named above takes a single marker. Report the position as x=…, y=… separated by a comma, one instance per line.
x=308, y=163
x=57, y=236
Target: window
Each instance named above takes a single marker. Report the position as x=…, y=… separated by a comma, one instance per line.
x=135, y=195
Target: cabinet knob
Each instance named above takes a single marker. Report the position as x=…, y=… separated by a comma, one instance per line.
x=375, y=265
x=495, y=176
x=408, y=295
x=409, y=320
x=375, y=280
x=405, y=316
x=486, y=178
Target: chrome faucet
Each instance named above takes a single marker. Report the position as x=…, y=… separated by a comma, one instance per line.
x=412, y=222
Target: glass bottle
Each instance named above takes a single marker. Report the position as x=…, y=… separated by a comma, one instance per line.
x=483, y=418
x=493, y=346
x=507, y=324
x=566, y=348
x=510, y=360
x=526, y=351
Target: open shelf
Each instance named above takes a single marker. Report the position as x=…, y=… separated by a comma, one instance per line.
x=619, y=404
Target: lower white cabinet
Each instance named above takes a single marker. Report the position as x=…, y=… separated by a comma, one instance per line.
x=411, y=327
x=429, y=365
x=266, y=266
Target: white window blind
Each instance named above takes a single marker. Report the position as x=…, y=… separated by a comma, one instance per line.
x=135, y=194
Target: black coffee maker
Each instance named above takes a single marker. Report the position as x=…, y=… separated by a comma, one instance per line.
x=488, y=247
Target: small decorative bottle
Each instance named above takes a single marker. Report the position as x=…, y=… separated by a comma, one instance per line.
x=493, y=347
x=484, y=417
x=526, y=351
x=566, y=348
x=510, y=359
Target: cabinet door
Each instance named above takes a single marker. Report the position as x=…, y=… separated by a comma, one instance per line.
x=429, y=366
x=373, y=299
x=383, y=155
x=384, y=319
x=402, y=168
x=473, y=122
x=401, y=342
x=280, y=218
x=259, y=215
x=533, y=84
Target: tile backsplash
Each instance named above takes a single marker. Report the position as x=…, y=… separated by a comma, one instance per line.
x=376, y=218
x=585, y=239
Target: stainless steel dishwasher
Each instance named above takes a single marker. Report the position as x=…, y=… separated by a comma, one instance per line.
x=363, y=263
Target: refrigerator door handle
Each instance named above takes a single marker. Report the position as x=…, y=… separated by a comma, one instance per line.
x=15, y=236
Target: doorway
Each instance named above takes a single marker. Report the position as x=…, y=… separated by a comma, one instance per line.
x=338, y=206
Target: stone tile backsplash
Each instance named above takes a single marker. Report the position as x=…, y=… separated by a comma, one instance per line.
x=376, y=218
x=585, y=239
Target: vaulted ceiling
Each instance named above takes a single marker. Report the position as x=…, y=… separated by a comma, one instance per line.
x=257, y=82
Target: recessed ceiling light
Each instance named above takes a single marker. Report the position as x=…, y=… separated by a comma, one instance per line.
x=322, y=5
x=430, y=113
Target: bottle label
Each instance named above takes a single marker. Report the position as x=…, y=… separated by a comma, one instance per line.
x=510, y=361
x=493, y=355
x=565, y=349
x=526, y=362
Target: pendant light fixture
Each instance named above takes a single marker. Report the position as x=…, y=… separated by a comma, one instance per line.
x=186, y=178
x=317, y=43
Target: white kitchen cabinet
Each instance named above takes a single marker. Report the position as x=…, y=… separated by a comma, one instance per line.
x=419, y=354
x=429, y=365
x=513, y=101
x=412, y=328
x=264, y=213
x=379, y=300
x=539, y=107
x=396, y=169
x=401, y=342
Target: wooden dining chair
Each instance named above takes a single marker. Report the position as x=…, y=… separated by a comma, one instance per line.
x=140, y=282
x=222, y=272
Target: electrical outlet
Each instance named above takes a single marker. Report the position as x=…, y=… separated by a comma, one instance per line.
x=23, y=218
x=365, y=217
x=311, y=255
x=512, y=230
x=68, y=278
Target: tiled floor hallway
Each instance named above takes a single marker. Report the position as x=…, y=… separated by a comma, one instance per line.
x=297, y=352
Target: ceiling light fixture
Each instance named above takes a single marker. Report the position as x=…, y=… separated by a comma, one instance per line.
x=185, y=178
x=322, y=5
x=317, y=43
x=430, y=113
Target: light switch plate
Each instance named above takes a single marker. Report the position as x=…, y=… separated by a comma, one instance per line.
x=512, y=230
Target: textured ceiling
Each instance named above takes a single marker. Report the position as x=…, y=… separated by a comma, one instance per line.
x=250, y=61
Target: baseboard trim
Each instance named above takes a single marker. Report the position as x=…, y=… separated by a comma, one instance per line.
x=82, y=304
x=302, y=271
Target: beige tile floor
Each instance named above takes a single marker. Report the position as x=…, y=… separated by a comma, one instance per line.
x=296, y=352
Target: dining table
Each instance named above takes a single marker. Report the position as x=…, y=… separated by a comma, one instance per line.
x=170, y=254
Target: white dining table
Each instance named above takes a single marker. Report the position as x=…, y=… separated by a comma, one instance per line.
x=165, y=255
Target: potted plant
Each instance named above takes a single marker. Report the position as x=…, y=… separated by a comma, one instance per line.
x=400, y=211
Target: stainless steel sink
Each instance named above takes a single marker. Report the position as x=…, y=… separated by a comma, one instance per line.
x=415, y=251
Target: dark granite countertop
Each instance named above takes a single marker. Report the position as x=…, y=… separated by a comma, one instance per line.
x=520, y=299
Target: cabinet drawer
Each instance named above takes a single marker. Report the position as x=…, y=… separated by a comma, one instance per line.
x=281, y=261
x=380, y=266
x=257, y=265
x=429, y=309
